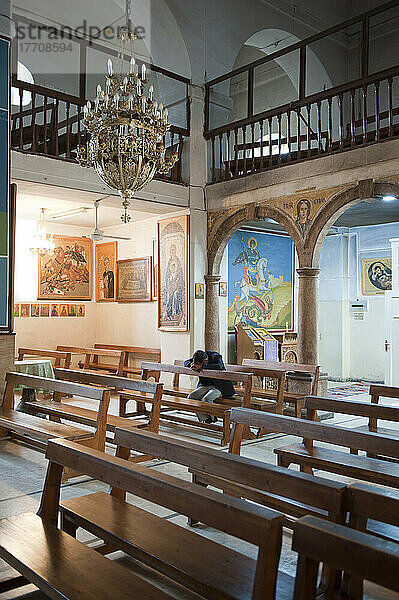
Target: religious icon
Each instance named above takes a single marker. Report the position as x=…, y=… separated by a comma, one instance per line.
x=25, y=310
x=199, y=291
x=55, y=310
x=261, y=272
x=45, y=310
x=106, y=255
x=134, y=280
x=303, y=209
x=376, y=276
x=35, y=310
x=223, y=289
x=173, y=274
x=65, y=272
x=16, y=310
x=80, y=310
x=71, y=310
x=154, y=270
x=63, y=310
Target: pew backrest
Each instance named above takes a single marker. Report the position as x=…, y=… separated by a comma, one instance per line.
x=92, y=355
x=349, y=407
x=313, y=370
x=311, y=430
x=358, y=554
x=313, y=491
x=364, y=502
x=244, y=379
x=60, y=359
x=113, y=382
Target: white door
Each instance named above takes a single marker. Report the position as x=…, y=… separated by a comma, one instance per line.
x=388, y=338
x=392, y=321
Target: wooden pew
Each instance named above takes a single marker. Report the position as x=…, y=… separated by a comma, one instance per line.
x=298, y=495
x=93, y=354
x=377, y=392
x=59, y=359
x=297, y=400
x=373, y=510
x=55, y=562
x=85, y=416
x=132, y=353
x=219, y=409
x=310, y=457
x=359, y=555
x=38, y=431
x=210, y=569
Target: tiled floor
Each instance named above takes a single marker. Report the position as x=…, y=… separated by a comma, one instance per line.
x=22, y=474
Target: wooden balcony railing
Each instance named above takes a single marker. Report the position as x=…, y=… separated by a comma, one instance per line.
x=49, y=123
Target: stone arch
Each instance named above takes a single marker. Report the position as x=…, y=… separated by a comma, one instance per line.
x=250, y=212
x=335, y=207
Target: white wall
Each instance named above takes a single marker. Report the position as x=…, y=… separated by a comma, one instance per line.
x=349, y=348
x=132, y=324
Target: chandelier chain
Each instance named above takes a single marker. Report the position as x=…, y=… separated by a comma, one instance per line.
x=129, y=14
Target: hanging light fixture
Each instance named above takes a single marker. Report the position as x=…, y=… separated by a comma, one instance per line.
x=126, y=127
x=42, y=242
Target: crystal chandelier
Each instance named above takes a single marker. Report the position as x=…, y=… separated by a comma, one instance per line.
x=42, y=242
x=126, y=127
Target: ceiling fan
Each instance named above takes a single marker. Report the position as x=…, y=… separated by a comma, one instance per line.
x=98, y=234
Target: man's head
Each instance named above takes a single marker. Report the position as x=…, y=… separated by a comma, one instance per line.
x=200, y=358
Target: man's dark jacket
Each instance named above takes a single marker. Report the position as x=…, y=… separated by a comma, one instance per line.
x=215, y=363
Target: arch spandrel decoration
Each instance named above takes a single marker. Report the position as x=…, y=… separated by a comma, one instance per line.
x=326, y=206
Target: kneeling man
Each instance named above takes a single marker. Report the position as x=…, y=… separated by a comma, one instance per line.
x=209, y=390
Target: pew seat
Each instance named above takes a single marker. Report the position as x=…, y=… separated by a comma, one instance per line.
x=200, y=563
x=62, y=567
x=40, y=429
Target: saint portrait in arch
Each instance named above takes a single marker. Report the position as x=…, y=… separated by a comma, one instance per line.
x=303, y=220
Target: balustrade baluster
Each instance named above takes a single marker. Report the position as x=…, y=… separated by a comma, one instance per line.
x=221, y=169
x=390, y=115
x=33, y=122
x=228, y=150
x=364, y=99
x=68, y=132
x=56, y=115
x=341, y=120
x=236, y=152
x=270, y=123
x=353, y=120
x=377, y=110
x=308, y=132
x=329, y=126
x=45, y=125
x=21, y=120
x=253, y=147
x=261, y=144
x=244, y=134
x=289, y=133
x=213, y=159
x=319, y=138
x=298, y=132
x=279, y=138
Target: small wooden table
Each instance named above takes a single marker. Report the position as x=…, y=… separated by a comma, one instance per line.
x=37, y=367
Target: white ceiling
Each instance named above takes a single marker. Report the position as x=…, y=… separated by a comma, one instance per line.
x=31, y=197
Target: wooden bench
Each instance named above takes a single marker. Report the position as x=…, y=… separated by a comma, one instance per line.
x=297, y=495
x=37, y=431
x=92, y=355
x=374, y=510
x=210, y=569
x=219, y=409
x=85, y=416
x=55, y=562
x=310, y=457
x=359, y=555
x=132, y=355
x=377, y=392
x=297, y=400
x=59, y=359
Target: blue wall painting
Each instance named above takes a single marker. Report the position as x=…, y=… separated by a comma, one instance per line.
x=260, y=276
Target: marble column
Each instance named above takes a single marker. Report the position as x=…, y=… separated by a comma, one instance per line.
x=308, y=339
x=212, y=330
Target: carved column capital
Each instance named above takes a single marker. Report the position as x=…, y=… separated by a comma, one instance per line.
x=212, y=279
x=308, y=272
